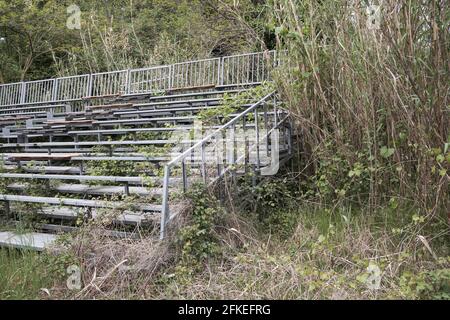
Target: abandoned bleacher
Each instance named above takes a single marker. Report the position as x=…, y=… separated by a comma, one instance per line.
x=122, y=146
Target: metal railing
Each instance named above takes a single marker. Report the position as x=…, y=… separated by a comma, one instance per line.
x=248, y=140
x=243, y=69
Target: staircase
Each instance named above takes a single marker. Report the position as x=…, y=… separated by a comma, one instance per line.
x=124, y=146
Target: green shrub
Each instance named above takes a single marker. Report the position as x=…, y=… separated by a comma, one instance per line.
x=197, y=240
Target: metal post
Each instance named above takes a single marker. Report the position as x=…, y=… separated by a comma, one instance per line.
x=219, y=157
x=275, y=112
x=266, y=127
x=165, y=214
x=127, y=188
x=55, y=90
x=258, y=162
x=203, y=165
x=222, y=71
x=231, y=153
x=246, y=147
x=170, y=76
x=219, y=68
x=128, y=82
x=22, y=93
x=184, y=175
x=89, y=86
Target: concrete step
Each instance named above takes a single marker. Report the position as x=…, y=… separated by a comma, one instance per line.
x=93, y=190
x=73, y=202
x=33, y=240
x=127, y=217
x=56, y=229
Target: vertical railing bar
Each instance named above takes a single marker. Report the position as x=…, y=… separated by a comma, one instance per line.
x=203, y=165
x=246, y=147
x=184, y=175
x=165, y=210
x=258, y=162
x=55, y=90
x=128, y=82
x=275, y=112
x=266, y=120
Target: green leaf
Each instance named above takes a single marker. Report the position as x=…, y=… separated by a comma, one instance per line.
x=386, y=152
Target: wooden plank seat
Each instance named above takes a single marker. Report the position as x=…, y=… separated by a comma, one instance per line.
x=13, y=118
x=138, y=95
x=194, y=94
x=115, y=95
x=67, y=122
x=240, y=87
x=171, y=110
x=12, y=121
x=63, y=125
x=158, y=97
x=159, y=112
x=109, y=106
x=175, y=119
x=208, y=86
x=188, y=102
x=144, y=121
x=139, y=130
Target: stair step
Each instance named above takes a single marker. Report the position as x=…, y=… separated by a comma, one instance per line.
x=79, y=202
x=93, y=190
x=33, y=240
x=45, y=227
x=46, y=169
x=127, y=217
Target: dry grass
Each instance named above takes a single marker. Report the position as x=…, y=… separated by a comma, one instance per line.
x=312, y=263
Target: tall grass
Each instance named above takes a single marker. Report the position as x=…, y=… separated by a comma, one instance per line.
x=22, y=275
x=371, y=105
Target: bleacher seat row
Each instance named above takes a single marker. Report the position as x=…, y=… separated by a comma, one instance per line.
x=105, y=160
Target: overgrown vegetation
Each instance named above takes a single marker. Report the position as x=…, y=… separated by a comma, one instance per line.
x=371, y=105
x=120, y=34
x=31, y=275
x=361, y=212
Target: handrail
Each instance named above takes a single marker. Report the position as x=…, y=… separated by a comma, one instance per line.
x=180, y=159
x=241, y=69
x=228, y=124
